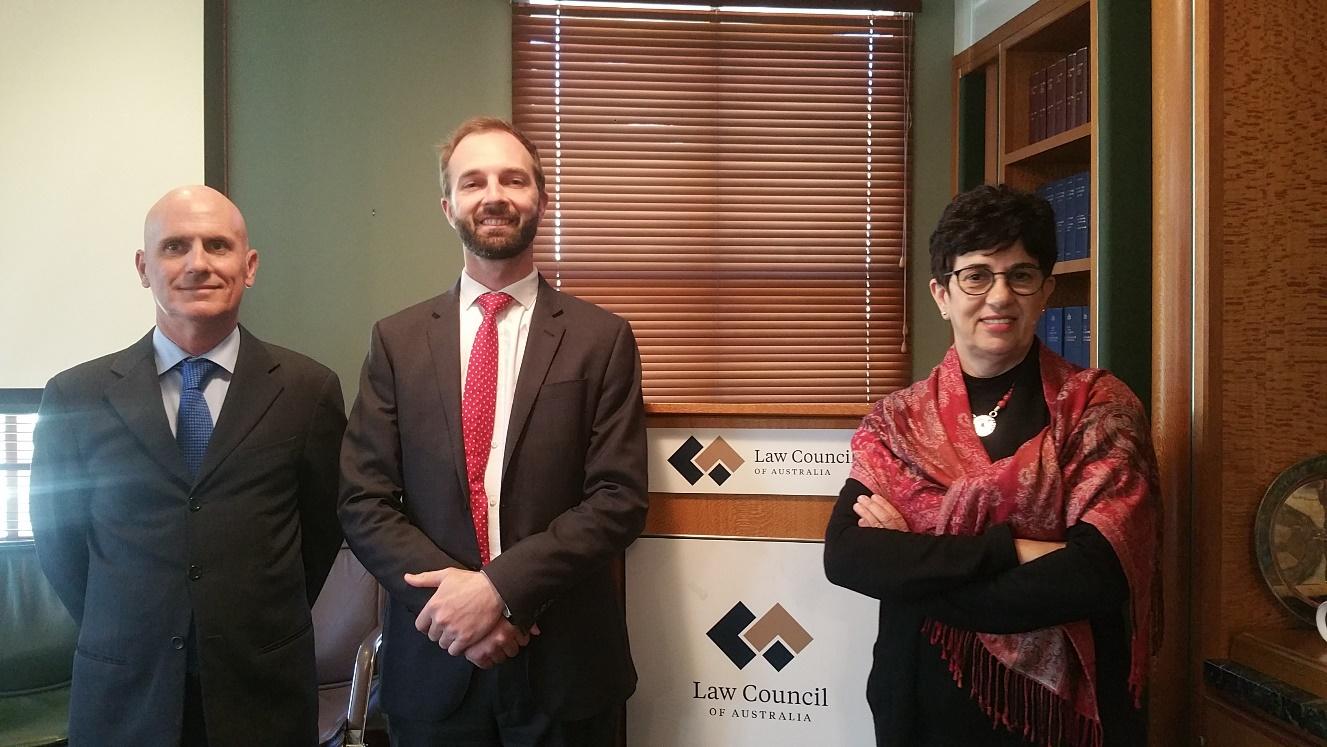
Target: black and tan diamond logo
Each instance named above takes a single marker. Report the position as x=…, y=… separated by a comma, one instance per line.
x=775, y=636
x=693, y=460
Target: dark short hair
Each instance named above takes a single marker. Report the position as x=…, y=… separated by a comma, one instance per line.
x=485, y=124
x=993, y=217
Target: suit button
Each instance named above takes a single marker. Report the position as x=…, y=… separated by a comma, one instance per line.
x=195, y=573
x=194, y=505
x=177, y=643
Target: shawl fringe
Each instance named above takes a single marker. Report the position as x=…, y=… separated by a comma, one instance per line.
x=1012, y=700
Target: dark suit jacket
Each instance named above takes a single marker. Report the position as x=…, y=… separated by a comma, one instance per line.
x=136, y=549
x=573, y=498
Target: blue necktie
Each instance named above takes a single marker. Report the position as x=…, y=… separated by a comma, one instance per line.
x=193, y=426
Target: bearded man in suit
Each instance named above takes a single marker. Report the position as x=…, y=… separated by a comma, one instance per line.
x=184, y=505
x=493, y=471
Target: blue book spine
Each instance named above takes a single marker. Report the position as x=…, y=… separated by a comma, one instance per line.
x=1086, y=314
x=1073, y=335
x=1071, y=225
x=1055, y=330
x=1061, y=204
x=1081, y=215
x=1041, y=327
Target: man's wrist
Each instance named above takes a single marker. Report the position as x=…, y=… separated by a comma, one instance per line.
x=506, y=611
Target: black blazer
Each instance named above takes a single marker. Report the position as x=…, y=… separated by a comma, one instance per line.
x=136, y=550
x=573, y=498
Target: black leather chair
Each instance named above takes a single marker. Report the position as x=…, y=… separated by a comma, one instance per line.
x=347, y=624
x=37, y=639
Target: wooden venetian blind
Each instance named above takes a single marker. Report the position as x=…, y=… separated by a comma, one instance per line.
x=733, y=183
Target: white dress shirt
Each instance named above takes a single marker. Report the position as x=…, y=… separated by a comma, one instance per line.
x=169, y=354
x=513, y=328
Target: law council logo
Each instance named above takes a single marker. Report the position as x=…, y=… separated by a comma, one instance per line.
x=694, y=460
x=776, y=637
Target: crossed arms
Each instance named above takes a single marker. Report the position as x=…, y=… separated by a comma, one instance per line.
x=991, y=582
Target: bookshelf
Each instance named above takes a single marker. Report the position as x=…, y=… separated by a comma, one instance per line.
x=998, y=138
x=1040, y=125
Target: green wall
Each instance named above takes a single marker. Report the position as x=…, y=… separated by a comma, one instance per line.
x=334, y=110
x=932, y=149
x=1124, y=193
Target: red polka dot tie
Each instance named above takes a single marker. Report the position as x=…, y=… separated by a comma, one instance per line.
x=477, y=405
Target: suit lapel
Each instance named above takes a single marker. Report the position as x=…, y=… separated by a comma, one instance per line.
x=541, y=344
x=253, y=387
x=444, y=340
x=136, y=398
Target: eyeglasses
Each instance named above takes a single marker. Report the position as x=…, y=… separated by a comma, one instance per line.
x=977, y=280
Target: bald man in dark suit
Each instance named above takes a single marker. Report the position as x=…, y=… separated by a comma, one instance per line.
x=184, y=506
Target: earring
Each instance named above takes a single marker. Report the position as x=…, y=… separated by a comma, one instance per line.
x=944, y=315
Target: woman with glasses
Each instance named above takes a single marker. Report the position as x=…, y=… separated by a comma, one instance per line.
x=1004, y=511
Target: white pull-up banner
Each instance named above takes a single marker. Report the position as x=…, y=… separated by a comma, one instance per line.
x=744, y=642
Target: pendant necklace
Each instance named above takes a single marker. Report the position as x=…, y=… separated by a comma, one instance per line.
x=984, y=425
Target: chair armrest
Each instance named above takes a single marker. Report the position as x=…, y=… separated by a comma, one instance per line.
x=361, y=685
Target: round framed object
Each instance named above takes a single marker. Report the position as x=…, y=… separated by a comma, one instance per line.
x=1290, y=537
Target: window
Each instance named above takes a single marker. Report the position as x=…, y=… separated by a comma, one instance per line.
x=18, y=415
x=735, y=183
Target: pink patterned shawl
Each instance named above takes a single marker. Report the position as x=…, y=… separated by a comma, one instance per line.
x=1093, y=463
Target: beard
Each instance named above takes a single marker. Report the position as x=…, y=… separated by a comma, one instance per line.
x=513, y=245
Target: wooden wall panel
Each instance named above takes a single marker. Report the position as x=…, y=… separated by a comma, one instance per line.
x=1208, y=593
x=1240, y=307
x=1272, y=114
x=796, y=517
x=1172, y=332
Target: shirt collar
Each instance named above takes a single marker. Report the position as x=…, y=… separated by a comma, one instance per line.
x=525, y=290
x=169, y=355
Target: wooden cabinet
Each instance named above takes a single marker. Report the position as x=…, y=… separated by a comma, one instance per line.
x=1228, y=725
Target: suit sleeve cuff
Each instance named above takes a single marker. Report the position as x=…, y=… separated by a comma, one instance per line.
x=506, y=611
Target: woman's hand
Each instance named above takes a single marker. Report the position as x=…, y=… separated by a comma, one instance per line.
x=1030, y=550
x=876, y=513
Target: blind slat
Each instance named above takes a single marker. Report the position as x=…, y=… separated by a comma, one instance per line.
x=735, y=185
